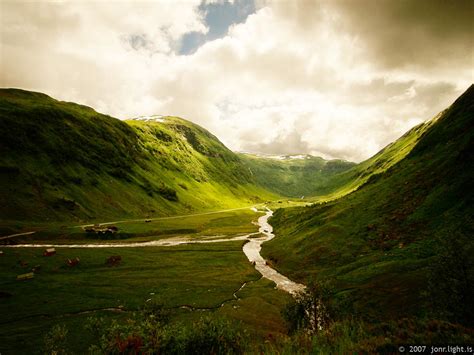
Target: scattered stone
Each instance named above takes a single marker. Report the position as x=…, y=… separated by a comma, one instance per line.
x=23, y=263
x=27, y=276
x=36, y=269
x=49, y=252
x=113, y=260
x=1, y=252
x=147, y=220
x=101, y=230
x=73, y=262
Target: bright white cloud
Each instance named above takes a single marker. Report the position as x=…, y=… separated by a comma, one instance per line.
x=288, y=80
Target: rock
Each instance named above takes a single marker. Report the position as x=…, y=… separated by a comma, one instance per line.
x=113, y=260
x=27, y=276
x=49, y=252
x=73, y=262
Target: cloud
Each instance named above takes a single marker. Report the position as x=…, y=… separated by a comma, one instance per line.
x=294, y=77
x=408, y=33
x=218, y=16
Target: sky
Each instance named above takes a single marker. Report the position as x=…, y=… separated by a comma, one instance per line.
x=337, y=79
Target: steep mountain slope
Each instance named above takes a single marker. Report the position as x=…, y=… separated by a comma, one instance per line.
x=296, y=176
x=63, y=161
x=402, y=243
x=349, y=180
x=322, y=180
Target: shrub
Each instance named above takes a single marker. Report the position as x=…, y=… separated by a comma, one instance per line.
x=168, y=193
x=451, y=279
x=148, y=331
x=55, y=340
x=205, y=336
x=309, y=311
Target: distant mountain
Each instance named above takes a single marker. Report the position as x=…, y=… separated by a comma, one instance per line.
x=401, y=243
x=63, y=161
x=296, y=175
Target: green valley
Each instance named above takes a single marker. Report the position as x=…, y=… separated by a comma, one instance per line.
x=63, y=161
x=296, y=176
x=157, y=212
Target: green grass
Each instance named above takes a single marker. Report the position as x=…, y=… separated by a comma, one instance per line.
x=379, y=244
x=65, y=162
x=357, y=337
x=198, y=276
x=380, y=233
x=225, y=223
x=294, y=177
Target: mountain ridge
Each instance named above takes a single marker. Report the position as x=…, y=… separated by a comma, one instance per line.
x=385, y=241
x=65, y=161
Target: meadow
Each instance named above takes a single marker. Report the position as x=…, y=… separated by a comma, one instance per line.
x=188, y=280
x=227, y=223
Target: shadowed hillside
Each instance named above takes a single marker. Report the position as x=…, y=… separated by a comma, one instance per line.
x=402, y=243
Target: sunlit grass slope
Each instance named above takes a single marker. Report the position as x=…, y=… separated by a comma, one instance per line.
x=323, y=180
x=410, y=222
x=63, y=161
x=349, y=180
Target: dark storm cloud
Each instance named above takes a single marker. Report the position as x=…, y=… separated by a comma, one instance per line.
x=406, y=32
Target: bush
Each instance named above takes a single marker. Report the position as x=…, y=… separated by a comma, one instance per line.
x=168, y=193
x=309, y=311
x=451, y=279
x=205, y=336
x=148, y=331
x=55, y=340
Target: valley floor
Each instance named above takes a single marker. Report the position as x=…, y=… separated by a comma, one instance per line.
x=197, y=274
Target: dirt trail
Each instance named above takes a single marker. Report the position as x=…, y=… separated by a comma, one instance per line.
x=16, y=235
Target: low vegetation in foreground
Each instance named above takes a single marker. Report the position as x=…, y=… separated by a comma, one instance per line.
x=189, y=282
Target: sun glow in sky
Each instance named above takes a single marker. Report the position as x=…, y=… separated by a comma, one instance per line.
x=338, y=79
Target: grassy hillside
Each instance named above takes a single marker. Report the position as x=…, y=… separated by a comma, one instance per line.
x=349, y=180
x=400, y=245
x=296, y=176
x=321, y=180
x=63, y=161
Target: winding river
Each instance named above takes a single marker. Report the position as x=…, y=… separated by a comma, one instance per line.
x=251, y=249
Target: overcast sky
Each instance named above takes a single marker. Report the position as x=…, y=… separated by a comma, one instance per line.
x=338, y=79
